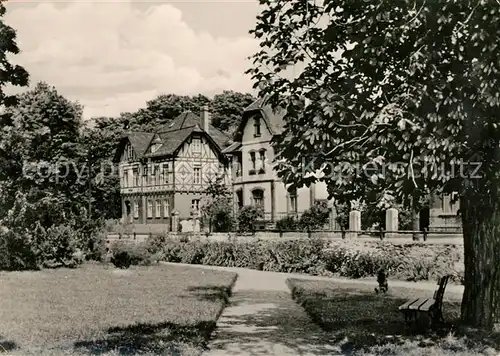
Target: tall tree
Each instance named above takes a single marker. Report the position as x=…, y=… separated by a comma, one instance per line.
x=11, y=74
x=162, y=109
x=44, y=156
x=408, y=92
x=100, y=143
x=227, y=109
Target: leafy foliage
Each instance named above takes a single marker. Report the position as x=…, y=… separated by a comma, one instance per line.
x=316, y=217
x=352, y=259
x=248, y=217
x=288, y=223
x=12, y=74
x=126, y=254
x=216, y=206
x=227, y=109
x=397, y=101
x=43, y=198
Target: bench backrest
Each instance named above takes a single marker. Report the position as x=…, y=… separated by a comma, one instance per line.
x=439, y=293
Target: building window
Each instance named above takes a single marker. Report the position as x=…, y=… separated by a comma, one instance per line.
x=136, y=177
x=237, y=166
x=195, y=205
x=197, y=175
x=256, y=126
x=150, y=209
x=258, y=197
x=130, y=152
x=196, y=145
x=158, y=209
x=125, y=178
x=292, y=201
x=136, y=210
x=152, y=177
x=145, y=179
x=158, y=175
x=166, y=208
x=165, y=173
x=253, y=162
x=262, y=160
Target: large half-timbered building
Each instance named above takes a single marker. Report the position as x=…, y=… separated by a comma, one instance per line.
x=168, y=170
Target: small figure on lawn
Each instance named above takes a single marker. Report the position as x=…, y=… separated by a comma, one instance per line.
x=383, y=286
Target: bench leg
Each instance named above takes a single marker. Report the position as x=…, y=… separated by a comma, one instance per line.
x=410, y=316
x=436, y=318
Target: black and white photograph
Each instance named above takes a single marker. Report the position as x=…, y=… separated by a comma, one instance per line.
x=249, y=177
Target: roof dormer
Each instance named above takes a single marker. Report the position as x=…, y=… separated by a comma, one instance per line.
x=156, y=144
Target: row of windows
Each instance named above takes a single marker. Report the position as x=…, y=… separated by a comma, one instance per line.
x=258, y=199
x=257, y=166
x=158, y=175
x=160, y=208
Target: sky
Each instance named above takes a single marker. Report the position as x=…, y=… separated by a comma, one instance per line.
x=112, y=56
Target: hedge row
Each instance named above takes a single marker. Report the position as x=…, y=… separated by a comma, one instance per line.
x=351, y=259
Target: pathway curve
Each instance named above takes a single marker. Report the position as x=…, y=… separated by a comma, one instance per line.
x=263, y=319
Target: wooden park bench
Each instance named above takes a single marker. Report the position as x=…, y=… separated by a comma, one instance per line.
x=433, y=307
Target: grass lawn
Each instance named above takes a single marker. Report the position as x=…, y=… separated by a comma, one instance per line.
x=98, y=309
x=364, y=323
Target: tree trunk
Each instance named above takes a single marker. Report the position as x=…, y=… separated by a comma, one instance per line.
x=481, y=232
x=415, y=226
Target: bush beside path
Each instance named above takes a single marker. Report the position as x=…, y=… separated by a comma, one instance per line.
x=354, y=259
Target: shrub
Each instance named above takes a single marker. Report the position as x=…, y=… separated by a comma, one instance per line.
x=126, y=254
x=56, y=246
x=316, y=217
x=17, y=249
x=217, y=207
x=96, y=246
x=222, y=221
x=248, y=217
x=288, y=223
x=351, y=259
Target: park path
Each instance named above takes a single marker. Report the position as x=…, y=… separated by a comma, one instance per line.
x=263, y=319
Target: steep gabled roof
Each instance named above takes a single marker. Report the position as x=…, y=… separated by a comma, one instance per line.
x=273, y=119
x=173, y=135
x=184, y=120
x=171, y=141
x=140, y=141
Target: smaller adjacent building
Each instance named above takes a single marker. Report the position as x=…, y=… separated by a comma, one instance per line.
x=254, y=180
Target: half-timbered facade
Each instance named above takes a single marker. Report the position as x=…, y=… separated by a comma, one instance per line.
x=168, y=170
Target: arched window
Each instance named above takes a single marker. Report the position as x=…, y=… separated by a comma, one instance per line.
x=258, y=197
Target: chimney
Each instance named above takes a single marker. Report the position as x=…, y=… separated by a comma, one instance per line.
x=205, y=118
